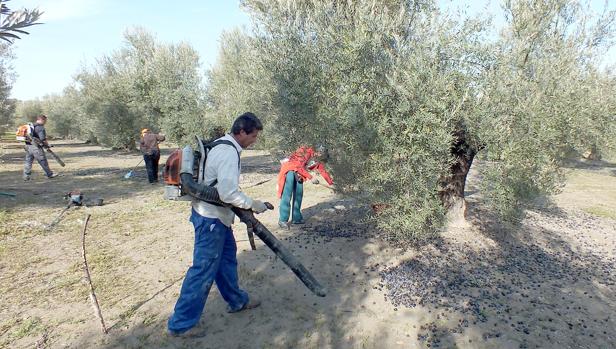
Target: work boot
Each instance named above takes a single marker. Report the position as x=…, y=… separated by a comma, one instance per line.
x=194, y=332
x=283, y=225
x=53, y=175
x=252, y=303
x=26, y=178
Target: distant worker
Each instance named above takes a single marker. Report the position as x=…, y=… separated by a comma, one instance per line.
x=35, y=138
x=151, y=152
x=291, y=177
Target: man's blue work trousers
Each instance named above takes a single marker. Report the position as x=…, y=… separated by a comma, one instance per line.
x=214, y=259
x=292, y=194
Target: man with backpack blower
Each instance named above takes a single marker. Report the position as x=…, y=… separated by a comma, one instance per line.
x=36, y=139
x=214, y=256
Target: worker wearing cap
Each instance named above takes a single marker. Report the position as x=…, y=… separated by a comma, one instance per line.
x=151, y=152
x=293, y=172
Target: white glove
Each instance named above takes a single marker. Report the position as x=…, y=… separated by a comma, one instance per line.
x=258, y=206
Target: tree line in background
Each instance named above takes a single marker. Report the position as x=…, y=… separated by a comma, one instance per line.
x=404, y=94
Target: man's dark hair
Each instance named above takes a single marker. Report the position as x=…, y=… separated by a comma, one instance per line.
x=247, y=122
x=41, y=117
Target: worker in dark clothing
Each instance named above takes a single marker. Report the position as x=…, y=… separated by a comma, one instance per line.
x=151, y=152
x=34, y=149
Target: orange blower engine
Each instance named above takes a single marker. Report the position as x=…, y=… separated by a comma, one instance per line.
x=184, y=173
x=172, y=174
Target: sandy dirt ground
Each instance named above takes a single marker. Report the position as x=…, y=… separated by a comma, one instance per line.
x=547, y=283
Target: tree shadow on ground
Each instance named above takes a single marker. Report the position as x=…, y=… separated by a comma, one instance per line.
x=592, y=165
x=96, y=153
x=74, y=150
x=67, y=153
x=107, y=183
x=70, y=143
x=290, y=316
x=527, y=288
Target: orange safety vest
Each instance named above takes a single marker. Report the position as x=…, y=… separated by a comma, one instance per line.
x=299, y=162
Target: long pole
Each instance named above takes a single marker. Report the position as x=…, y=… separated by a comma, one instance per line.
x=86, y=270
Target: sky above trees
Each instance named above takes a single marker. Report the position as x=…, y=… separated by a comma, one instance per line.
x=77, y=32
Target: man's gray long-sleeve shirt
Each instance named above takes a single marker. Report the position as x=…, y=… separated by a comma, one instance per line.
x=222, y=165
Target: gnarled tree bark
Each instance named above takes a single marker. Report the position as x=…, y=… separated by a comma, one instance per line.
x=592, y=153
x=452, y=185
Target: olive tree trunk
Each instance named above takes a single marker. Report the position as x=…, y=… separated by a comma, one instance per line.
x=452, y=185
x=592, y=153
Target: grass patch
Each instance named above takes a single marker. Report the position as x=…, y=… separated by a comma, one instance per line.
x=126, y=315
x=5, y=219
x=107, y=272
x=28, y=327
x=20, y=328
x=68, y=284
x=19, y=224
x=149, y=319
x=601, y=211
x=110, y=272
x=7, y=325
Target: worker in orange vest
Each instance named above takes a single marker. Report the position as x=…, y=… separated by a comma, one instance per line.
x=291, y=177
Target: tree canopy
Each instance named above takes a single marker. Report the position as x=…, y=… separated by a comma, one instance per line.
x=406, y=96
x=403, y=93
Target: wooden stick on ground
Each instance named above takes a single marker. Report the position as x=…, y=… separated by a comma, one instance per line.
x=93, y=300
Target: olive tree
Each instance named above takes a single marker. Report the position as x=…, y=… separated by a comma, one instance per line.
x=145, y=84
x=543, y=96
x=167, y=88
x=406, y=96
x=27, y=111
x=105, y=96
x=238, y=83
x=65, y=115
x=7, y=76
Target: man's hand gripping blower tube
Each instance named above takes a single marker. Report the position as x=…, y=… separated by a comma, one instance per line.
x=209, y=194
